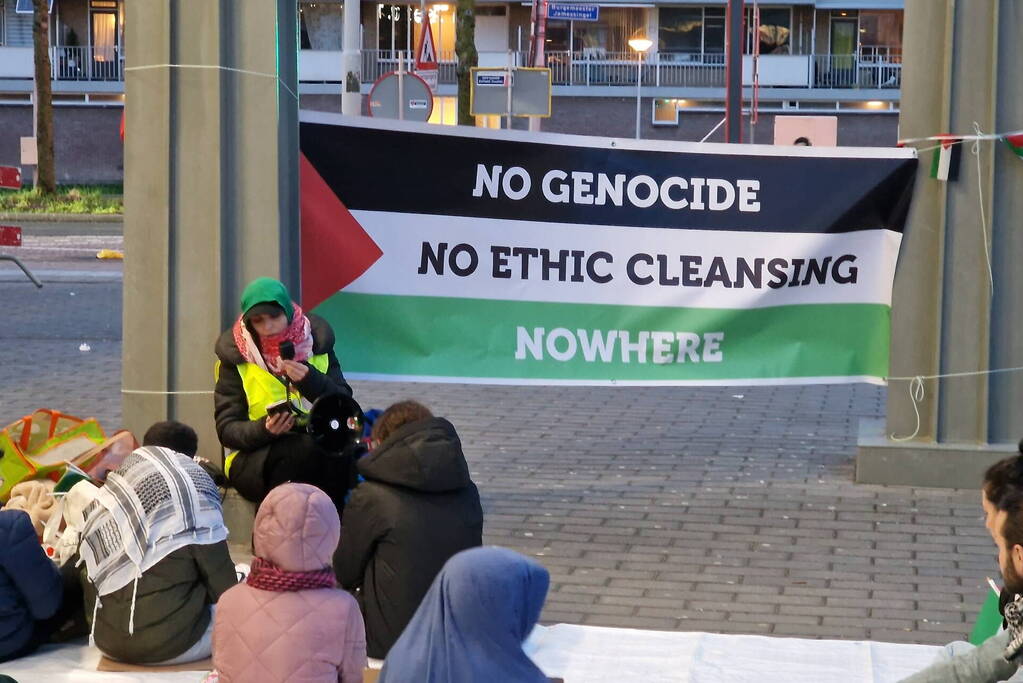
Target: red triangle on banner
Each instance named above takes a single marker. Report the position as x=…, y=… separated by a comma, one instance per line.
x=336, y=250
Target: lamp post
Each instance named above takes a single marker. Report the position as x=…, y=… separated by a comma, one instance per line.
x=640, y=44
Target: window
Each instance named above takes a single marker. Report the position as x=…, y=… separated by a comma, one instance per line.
x=775, y=30
x=610, y=34
x=881, y=35
x=557, y=36
x=691, y=30
x=665, y=112
x=393, y=27
x=2, y=40
x=680, y=29
x=442, y=25
x=320, y=25
x=714, y=30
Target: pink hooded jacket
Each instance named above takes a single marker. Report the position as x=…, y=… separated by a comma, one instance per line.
x=308, y=636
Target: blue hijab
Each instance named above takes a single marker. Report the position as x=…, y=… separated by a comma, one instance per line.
x=471, y=624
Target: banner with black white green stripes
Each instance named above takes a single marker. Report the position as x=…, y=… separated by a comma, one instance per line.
x=457, y=254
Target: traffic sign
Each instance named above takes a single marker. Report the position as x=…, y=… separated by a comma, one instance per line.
x=384, y=98
x=530, y=92
x=573, y=12
x=492, y=79
x=426, y=56
x=10, y=177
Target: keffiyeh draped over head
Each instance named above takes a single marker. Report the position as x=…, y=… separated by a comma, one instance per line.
x=472, y=622
x=156, y=502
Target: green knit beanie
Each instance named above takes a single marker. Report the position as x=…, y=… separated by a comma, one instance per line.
x=267, y=290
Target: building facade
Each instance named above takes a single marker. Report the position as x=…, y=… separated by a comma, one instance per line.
x=840, y=59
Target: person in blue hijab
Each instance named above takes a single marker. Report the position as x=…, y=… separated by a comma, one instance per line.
x=472, y=622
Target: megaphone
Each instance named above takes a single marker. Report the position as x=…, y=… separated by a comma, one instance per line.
x=336, y=422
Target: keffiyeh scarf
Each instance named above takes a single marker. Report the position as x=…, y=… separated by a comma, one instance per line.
x=298, y=332
x=157, y=502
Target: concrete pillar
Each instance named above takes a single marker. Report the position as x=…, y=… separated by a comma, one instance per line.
x=211, y=190
x=960, y=65
x=351, y=59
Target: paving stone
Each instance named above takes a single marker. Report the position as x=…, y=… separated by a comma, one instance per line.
x=694, y=510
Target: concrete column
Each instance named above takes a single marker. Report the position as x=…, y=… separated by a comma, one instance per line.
x=959, y=67
x=351, y=59
x=211, y=190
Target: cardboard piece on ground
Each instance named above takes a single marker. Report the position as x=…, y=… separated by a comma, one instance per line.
x=370, y=675
x=107, y=664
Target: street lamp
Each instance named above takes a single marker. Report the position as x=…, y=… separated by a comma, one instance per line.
x=640, y=44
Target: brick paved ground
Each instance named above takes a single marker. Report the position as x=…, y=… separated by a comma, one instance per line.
x=718, y=509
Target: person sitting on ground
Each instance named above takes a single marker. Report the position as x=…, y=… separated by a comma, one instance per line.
x=30, y=587
x=155, y=559
x=472, y=623
x=252, y=375
x=416, y=508
x=289, y=621
x=1000, y=656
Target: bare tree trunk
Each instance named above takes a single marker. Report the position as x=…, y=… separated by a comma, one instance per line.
x=465, y=47
x=45, y=174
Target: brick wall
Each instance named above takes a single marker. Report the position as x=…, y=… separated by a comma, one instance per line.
x=87, y=143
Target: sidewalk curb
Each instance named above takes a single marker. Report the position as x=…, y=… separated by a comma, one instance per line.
x=62, y=217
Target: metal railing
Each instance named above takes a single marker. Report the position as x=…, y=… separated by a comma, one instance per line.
x=850, y=71
x=875, y=68
x=88, y=63
x=376, y=63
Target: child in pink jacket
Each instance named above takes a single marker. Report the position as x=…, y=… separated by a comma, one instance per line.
x=288, y=621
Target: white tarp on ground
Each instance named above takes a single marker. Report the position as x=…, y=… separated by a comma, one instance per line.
x=591, y=654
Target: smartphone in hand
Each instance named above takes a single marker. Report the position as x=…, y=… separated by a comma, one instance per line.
x=278, y=408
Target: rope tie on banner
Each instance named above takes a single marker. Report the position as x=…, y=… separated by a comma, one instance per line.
x=216, y=67
x=917, y=392
x=961, y=138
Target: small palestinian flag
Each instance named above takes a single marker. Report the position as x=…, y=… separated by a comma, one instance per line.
x=1015, y=143
x=945, y=164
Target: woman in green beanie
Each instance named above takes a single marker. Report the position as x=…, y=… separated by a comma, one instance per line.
x=252, y=375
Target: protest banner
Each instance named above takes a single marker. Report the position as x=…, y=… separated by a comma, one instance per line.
x=457, y=254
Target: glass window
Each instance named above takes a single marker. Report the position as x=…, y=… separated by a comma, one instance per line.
x=680, y=29
x=392, y=27
x=2, y=22
x=665, y=113
x=881, y=35
x=320, y=25
x=714, y=30
x=442, y=25
x=775, y=30
x=610, y=34
x=557, y=36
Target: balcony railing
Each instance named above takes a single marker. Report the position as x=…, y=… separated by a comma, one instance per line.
x=875, y=69
x=88, y=63
x=376, y=63
x=870, y=68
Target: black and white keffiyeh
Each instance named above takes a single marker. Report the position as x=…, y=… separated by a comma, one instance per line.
x=156, y=502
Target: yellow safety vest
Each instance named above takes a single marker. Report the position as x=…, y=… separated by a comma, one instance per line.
x=263, y=389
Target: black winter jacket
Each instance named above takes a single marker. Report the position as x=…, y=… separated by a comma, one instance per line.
x=231, y=409
x=30, y=587
x=416, y=509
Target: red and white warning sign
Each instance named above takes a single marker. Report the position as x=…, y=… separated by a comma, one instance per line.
x=426, y=56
